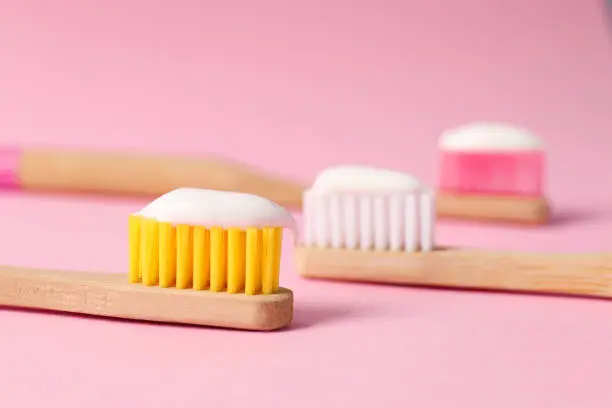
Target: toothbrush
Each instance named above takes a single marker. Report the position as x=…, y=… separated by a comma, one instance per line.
x=199, y=257
x=346, y=237
x=135, y=174
x=492, y=172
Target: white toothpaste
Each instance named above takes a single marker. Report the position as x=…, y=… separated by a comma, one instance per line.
x=213, y=208
x=363, y=179
x=489, y=136
x=369, y=208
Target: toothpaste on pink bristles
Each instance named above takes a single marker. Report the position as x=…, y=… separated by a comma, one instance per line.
x=490, y=158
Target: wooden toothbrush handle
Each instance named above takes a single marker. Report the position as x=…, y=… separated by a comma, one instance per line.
x=572, y=274
x=522, y=210
x=111, y=295
x=122, y=173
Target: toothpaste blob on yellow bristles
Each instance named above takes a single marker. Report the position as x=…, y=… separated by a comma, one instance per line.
x=209, y=240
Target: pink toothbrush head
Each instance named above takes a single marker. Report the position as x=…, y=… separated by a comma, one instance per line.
x=492, y=171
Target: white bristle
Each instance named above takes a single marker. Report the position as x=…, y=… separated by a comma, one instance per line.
x=321, y=219
x=381, y=222
x=396, y=222
x=335, y=220
x=381, y=225
x=427, y=208
x=366, y=222
x=411, y=225
x=351, y=226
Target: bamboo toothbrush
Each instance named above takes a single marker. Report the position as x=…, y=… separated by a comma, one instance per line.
x=136, y=174
x=373, y=225
x=492, y=172
x=198, y=257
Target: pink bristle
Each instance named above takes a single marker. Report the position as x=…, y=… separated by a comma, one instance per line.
x=496, y=173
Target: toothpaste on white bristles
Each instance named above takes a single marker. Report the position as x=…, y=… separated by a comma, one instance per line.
x=369, y=208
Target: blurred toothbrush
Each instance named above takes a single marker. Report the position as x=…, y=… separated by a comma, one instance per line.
x=492, y=172
x=116, y=172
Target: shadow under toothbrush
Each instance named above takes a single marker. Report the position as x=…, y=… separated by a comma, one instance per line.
x=463, y=290
x=558, y=218
x=76, y=197
x=304, y=316
x=307, y=315
x=577, y=216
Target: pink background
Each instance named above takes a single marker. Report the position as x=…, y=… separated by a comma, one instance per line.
x=294, y=87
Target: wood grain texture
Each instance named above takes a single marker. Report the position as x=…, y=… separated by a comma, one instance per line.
x=122, y=173
x=524, y=210
x=571, y=274
x=111, y=295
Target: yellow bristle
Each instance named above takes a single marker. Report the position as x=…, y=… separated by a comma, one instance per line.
x=167, y=255
x=184, y=252
x=149, y=254
x=134, y=242
x=201, y=258
x=235, y=260
x=272, y=237
x=263, y=255
x=276, y=256
x=218, y=271
x=253, y=261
